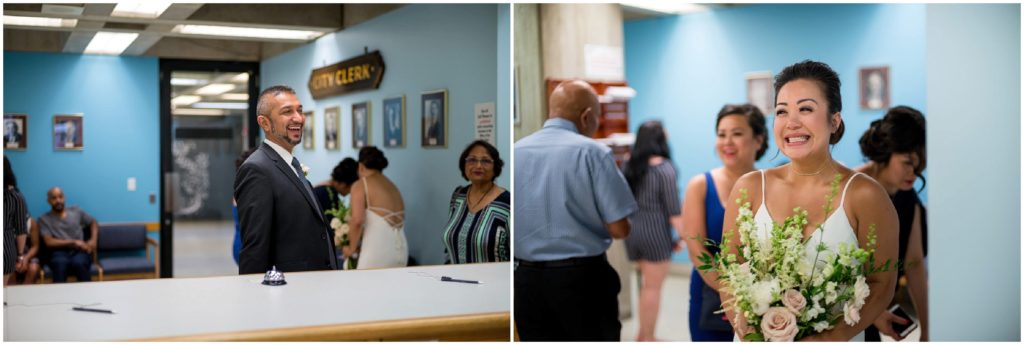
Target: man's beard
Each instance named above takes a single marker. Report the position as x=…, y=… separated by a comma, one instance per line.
x=273, y=131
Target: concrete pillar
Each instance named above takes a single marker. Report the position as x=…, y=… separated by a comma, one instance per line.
x=565, y=29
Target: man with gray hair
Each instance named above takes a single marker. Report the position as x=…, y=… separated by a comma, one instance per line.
x=281, y=223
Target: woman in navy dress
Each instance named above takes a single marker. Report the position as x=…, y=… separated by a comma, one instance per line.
x=741, y=140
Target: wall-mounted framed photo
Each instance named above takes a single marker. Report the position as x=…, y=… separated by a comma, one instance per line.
x=332, y=127
x=394, y=121
x=435, y=118
x=68, y=132
x=874, y=88
x=308, y=129
x=760, y=91
x=361, y=124
x=15, y=131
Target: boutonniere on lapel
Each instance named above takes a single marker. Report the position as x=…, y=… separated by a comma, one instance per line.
x=305, y=169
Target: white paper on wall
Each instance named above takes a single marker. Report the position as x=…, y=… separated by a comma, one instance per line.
x=603, y=62
x=485, y=123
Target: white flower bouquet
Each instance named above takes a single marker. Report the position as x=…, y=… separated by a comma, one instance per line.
x=779, y=293
x=339, y=223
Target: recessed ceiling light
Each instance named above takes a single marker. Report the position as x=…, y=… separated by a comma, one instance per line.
x=670, y=7
x=215, y=89
x=112, y=43
x=221, y=105
x=235, y=97
x=200, y=112
x=237, y=31
x=147, y=9
x=185, y=99
x=40, y=21
x=188, y=81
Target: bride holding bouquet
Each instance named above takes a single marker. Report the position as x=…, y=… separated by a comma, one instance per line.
x=806, y=257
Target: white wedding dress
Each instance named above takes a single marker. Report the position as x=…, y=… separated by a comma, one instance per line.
x=384, y=245
x=836, y=230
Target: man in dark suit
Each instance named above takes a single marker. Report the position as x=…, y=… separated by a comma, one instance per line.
x=281, y=223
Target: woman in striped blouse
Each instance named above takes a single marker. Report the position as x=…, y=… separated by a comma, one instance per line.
x=652, y=178
x=14, y=223
x=477, y=229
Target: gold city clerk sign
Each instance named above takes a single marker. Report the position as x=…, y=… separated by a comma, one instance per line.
x=363, y=72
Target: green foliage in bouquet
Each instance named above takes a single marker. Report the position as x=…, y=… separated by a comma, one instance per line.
x=776, y=280
x=340, y=225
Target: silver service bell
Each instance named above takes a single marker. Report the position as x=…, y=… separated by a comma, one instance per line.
x=274, y=277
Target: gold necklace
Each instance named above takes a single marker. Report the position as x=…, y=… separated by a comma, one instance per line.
x=813, y=173
x=477, y=203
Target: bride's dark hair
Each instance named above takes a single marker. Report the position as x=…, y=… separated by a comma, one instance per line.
x=373, y=158
x=826, y=78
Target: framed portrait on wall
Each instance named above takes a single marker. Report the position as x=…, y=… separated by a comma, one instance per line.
x=332, y=125
x=67, y=132
x=760, y=91
x=307, y=131
x=361, y=124
x=874, y=88
x=394, y=121
x=435, y=118
x=15, y=131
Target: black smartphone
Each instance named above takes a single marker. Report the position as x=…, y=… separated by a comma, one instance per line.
x=903, y=330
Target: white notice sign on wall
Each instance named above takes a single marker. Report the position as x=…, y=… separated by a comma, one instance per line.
x=485, y=123
x=603, y=62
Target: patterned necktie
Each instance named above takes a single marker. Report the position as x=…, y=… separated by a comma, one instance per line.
x=302, y=176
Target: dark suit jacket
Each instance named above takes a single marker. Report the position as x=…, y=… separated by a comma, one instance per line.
x=281, y=225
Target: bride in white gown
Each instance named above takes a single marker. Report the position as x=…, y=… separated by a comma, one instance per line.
x=378, y=216
x=807, y=121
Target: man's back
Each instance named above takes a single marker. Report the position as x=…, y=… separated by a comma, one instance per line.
x=567, y=188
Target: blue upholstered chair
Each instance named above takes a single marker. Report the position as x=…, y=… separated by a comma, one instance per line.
x=120, y=248
x=119, y=254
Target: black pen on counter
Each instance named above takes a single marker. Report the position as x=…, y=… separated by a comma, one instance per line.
x=105, y=311
x=450, y=279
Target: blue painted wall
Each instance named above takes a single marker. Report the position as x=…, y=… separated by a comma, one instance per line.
x=974, y=93
x=685, y=68
x=425, y=47
x=503, y=106
x=119, y=98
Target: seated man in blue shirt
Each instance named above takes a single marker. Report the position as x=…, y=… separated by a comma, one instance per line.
x=62, y=231
x=571, y=200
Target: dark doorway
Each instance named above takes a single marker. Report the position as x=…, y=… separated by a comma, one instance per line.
x=207, y=119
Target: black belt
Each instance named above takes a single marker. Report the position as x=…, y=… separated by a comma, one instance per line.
x=570, y=262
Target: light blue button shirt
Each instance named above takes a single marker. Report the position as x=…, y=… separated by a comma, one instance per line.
x=567, y=188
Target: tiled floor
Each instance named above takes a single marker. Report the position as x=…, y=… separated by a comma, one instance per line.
x=203, y=248
x=675, y=303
